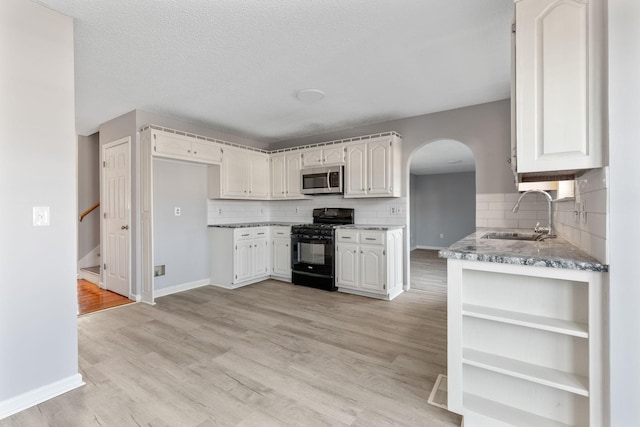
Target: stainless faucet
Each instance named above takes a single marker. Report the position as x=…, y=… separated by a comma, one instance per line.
x=544, y=230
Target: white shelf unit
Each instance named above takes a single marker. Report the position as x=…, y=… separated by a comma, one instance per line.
x=525, y=345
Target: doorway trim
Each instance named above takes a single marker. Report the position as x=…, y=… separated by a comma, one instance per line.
x=103, y=229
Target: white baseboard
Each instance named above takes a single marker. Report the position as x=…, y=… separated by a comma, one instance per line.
x=90, y=259
x=31, y=398
x=180, y=288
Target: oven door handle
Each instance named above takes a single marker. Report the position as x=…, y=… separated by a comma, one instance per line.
x=329, y=180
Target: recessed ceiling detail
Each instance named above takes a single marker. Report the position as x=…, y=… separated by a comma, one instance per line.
x=232, y=65
x=310, y=96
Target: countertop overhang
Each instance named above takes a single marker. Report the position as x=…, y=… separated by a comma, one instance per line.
x=554, y=253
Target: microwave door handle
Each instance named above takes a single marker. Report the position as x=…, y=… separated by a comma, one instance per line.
x=329, y=180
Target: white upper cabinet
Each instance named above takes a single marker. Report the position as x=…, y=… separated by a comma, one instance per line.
x=285, y=175
x=559, y=90
x=184, y=147
x=244, y=174
x=258, y=175
x=327, y=156
x=373, y=168
x=355, y=180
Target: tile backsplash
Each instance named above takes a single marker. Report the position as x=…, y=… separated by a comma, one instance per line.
x=582, y=221
x=367, y=211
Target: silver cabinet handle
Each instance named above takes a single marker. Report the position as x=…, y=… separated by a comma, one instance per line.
x=369, y=238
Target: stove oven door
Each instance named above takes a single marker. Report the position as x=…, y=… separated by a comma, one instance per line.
x=312, y=262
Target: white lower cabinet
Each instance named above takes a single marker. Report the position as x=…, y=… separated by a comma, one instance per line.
x=239, y=256
x=242, y=256
x=281, y=250
x=526, y=345
x=370, y=262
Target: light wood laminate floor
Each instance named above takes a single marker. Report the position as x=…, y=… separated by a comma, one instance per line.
x=428, y=271
x=269, y=354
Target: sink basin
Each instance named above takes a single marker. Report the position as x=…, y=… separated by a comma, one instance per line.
x=514, y=236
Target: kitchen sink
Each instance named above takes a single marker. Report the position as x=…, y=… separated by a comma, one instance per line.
x=515, y=236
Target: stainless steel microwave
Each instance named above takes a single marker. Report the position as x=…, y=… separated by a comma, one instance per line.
x=324, y=180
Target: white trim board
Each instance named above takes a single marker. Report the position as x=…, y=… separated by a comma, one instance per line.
x=180, y=288
x=41, y=394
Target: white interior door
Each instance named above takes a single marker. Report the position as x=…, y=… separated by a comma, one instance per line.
x=116, y=210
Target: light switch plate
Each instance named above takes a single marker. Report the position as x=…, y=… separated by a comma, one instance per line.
x=41, y=216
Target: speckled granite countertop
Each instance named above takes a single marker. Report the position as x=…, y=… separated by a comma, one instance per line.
x=554, y=253
x=253, y=224
x=371, y=227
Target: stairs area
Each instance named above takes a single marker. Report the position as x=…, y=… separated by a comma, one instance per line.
x=91, y=274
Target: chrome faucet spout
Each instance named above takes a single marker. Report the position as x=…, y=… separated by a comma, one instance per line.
x=549, y=229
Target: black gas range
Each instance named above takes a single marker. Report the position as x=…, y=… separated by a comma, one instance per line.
x=313, y=248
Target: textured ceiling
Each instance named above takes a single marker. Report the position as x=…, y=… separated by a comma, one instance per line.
x=236, y=65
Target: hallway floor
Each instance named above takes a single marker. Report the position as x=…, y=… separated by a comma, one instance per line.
x=92, y=297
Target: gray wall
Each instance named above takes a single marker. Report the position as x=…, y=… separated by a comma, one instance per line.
x=88, y=192
x=484, y=128
x=180, y=242
x=443, y=204
x=38, y=300
x=412, y=213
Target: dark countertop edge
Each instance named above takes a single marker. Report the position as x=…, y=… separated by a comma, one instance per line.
x=372, y=227
x=252, y=224
x=504, y=256
x=525, y=260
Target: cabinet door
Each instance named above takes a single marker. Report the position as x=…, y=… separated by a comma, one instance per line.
x=312, y=158
x=279, y=177
x=282, y=257
x=206, y=152
x=347, y=266
x=355, y=181
x=260, y=257
x=333, y=155
x=234, y=173
x=258, y=175
x=559, y=81
x=372, y=269
x=172, y=146
x=293, y=180
x=243, y=260
x=379, y=167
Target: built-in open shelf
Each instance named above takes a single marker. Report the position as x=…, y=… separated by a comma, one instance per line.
x=576, y=329
x=538, y=374
x=507, y=415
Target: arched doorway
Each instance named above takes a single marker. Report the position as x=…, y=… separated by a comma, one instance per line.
x=442, y=207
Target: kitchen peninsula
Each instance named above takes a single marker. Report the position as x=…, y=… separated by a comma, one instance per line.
x=526, y=331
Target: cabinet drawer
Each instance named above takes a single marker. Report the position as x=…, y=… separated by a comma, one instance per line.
x=282, y=232
x=371, y=238
x=347, y=236
x=251, y=233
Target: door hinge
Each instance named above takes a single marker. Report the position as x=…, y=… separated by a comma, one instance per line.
x=384, y=252
x=384, y=287
x=104, y=164
x=236, y=276
x=513, y=27
x=104, y=266
x=104, y=215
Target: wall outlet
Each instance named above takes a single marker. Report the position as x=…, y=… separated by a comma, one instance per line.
x=297, y=210
x=41, y=216
x=177, y=211
x=398, y=210
x=219, y=211
x=392, y=210
x=441, y=235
